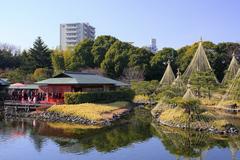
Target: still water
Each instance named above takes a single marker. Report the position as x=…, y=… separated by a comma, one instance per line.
x=135, y=138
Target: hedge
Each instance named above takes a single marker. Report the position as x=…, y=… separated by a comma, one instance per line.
x=98, y=97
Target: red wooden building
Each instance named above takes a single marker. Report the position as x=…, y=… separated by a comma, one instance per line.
x=55, y=87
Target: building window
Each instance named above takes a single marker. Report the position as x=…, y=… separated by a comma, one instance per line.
x=71, y=29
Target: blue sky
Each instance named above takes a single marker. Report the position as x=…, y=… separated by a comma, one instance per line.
x=174, y=23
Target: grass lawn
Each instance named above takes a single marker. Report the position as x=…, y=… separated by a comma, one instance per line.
x=176, y=115
x=89, y=111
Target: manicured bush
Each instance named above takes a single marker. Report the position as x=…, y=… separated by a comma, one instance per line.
x=98, y=97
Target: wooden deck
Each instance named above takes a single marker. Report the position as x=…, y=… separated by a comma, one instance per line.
x=24, y=105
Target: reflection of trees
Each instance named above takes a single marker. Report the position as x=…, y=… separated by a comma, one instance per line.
x=37, y=139
x=112, y=138
x=14, y=128
x=186, y=143
x=135, y=128
x=1, y=115
x=18, y=128
x=234, y=146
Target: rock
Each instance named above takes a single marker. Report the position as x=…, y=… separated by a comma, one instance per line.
x=232, y=130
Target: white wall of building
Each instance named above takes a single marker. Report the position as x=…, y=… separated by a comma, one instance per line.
x=72, y=33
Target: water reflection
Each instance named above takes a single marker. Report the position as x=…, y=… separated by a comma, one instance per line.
x=190, y=144
x=75, y=139
x=136, y=129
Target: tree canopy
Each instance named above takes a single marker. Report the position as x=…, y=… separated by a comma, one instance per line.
x=82, y=56
x=40, y=54
x=58, y=61
x=116, y=59
x=100, y=48
x=113, y=57
x=203, y=80
x=158, y=63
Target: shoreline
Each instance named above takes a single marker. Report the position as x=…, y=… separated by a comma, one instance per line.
x=231, y=131
x=56, y=117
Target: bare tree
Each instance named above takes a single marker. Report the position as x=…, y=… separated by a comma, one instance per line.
x=10, y=48
x=92, y=70
x=132, y=74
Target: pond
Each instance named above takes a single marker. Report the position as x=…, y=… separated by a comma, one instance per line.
x=135, y=138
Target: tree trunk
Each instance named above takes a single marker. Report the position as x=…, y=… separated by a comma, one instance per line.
x=209, y=93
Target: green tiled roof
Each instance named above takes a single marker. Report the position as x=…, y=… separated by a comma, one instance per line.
x=80, y=78
x=4, y=82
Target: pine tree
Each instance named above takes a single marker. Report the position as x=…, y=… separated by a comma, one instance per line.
x=40, y=54
x=232, y=70
x=203, y=80
x=168, y=76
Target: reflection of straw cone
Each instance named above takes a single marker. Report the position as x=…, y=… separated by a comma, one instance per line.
x=22, y=125
x=202, y=155
x=34, y=123
x=177, y=157
x=233, y=149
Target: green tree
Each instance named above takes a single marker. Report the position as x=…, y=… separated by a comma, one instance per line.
x=186, y=53
x=159, y=63
x=100, y=48
x=17, y=75
x=58, y=61
x=223, y=57
x=191, y=107
x=116, y=59
x=40, y=54
x=10, y=57
x=27, y=62
x=141, y=59
x=67, y=54
x=82, y=56
x=204, y=80
x=41, y=74
x=144, y=87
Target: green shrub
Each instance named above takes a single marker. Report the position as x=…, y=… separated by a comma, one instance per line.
x=144, y=87
x=98, y=97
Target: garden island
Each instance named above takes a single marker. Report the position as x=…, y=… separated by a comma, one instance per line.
x=196, y=99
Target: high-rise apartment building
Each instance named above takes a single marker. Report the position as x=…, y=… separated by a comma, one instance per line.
x=72, y=33
x=153, y=46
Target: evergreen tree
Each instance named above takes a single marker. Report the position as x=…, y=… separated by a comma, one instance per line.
x=82, y=56
x=140, y=58
x=116, y=59
x=100, y=48
x=9, y=56
x=159, y=63
x=40, y=54
x=203, y=80
x=186, y=54
x=27, y=63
